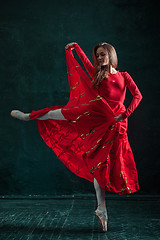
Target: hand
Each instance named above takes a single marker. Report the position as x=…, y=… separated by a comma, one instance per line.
x=70, y=45
x=119, y=118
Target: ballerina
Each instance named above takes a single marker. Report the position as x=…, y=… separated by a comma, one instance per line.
x=89, y=133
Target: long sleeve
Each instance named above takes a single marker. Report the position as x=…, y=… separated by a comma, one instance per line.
x=86, y=62
x=137, y=96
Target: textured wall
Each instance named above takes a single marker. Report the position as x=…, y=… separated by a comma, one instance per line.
x=33, y=76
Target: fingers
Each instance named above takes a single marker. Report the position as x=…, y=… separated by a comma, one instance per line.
x=119, y=118
x=70, y=45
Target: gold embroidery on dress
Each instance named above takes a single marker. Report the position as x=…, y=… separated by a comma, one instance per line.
x=94, y=146
x=77, y=83
x=78, y=118
x=86, y=113
x=83, y=104
x=83, y=136
x=92, y=170
x=129, y=189
x=124, y=184
x=104, y=145
x=81, y=95
x=112, y=127
x=73, y=71
x=96, y=99
x=99, y=140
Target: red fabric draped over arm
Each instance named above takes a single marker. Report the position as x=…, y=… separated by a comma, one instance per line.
x=86, y=62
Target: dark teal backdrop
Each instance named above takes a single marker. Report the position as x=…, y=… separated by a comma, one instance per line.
x=33, y=76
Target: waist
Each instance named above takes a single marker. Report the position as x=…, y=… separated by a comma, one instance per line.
x=116, y=106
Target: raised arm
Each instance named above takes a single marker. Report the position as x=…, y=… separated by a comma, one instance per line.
x=137, y=96
x=86, y=62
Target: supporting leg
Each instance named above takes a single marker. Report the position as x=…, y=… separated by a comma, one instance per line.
x=100, y=194
x=101, y=211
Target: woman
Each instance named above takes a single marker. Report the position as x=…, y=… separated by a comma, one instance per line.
x=89, y=133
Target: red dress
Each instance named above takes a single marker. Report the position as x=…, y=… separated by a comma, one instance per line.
x=91, y=143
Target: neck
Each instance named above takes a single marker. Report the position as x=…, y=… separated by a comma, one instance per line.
x=113, y=70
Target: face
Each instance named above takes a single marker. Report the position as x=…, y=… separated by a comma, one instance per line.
x=102, y=56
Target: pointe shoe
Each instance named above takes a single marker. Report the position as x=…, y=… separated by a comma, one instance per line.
x=103, y=218
x=20, y=115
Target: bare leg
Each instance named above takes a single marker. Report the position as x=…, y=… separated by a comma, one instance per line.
x=101, y=211
x=100, y=194
x=54, y=114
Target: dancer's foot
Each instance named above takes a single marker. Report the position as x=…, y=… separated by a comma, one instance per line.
x=103, y=218
x=20, y=115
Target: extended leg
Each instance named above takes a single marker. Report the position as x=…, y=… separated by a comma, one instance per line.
x=54, y=114
x=20, y=115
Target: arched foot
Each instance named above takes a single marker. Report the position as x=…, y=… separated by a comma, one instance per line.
x=20, y=115
x=103, y=218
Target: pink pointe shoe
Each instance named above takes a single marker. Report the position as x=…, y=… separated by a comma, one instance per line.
x=103, y=218
x=20, y=115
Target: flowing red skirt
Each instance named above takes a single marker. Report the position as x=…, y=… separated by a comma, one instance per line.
x=90, y=143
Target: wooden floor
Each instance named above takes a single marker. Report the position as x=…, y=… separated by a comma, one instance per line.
x=73, y=218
